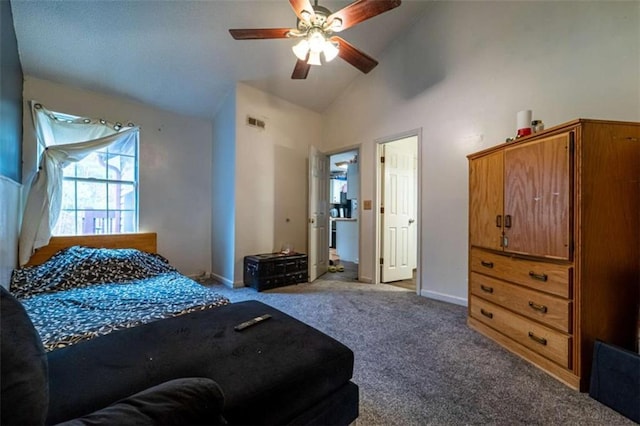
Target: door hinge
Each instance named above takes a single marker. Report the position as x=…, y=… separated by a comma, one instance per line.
x=381, y=261
x=381, y=210
x=382, y=159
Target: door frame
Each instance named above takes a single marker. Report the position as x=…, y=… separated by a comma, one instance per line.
x=377, y=185
x=328, y=154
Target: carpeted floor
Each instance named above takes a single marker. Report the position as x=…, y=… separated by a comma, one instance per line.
x=417, y=362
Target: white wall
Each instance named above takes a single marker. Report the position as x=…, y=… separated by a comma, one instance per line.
x=271, y=174
x=223, y=195
x=461, y=75
x=9, y=222
x=175, y=167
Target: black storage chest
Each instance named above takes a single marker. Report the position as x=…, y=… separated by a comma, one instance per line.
x=271, y=270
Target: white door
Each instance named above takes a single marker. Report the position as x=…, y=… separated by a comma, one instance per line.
x=318, y=222
x=398, y=218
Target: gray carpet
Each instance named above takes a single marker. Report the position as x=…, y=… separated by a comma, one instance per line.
x=417, y=362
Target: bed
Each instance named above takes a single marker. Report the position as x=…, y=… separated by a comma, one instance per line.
x=81, y=287
x=279, y=372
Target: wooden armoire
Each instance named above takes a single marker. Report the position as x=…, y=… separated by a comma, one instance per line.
x=554, y=244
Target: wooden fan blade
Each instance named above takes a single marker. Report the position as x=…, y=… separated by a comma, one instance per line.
x=301, y=5
x=301, y=70
x=361, y=10
x=354, y=56
x=259, y=33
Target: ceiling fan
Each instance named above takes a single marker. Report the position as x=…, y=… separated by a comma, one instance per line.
x=315, y=28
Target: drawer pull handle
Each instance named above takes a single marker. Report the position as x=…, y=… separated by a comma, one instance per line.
x=486, y=264
x=537, y=339
x=537, y=307
x=486, y=289
x=486, y=314
x=499, y=221
x=539, y=277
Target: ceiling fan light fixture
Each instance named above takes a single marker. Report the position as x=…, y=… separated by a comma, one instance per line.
x=330, y=50
x=314, y=58
x=316, y=41
x=301, y=49
x=315, y=27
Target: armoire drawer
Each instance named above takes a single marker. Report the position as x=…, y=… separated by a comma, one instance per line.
x=549, y=343
x=549, y=310
x=548, y=277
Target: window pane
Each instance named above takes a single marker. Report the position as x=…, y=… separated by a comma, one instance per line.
x=126, y=146
x=128, y=221
x=68, y=194
x=122, y=196
x=70, y=170
x=66, y=224
x=95, y=222
x=92, y=195
x=121, y=167
x=92, y=166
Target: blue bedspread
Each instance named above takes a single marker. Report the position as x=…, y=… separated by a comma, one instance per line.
x=82, y=292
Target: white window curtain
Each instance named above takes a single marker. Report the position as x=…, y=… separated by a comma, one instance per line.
x=65, y=139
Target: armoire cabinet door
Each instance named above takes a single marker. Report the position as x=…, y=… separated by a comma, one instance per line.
x=485, y=201
x=538, y=196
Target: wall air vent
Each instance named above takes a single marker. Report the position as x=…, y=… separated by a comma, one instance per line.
x=255, y=122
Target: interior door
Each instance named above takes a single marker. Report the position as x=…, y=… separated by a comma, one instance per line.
x=537, y=197
x=398, y=219
x=318, y=222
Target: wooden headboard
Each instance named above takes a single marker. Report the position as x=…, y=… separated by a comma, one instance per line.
x=146, y=241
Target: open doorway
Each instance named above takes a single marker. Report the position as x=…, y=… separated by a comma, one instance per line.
x=398, y=211
x=344, y=241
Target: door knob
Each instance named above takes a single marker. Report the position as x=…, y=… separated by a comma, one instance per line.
x=411, y=221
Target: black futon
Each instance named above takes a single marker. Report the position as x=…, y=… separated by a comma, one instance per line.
x=280, y=371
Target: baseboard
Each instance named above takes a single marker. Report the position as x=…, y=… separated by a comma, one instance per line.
x=238, y=284
x=366, y=280
x=223, y=280
x=199, y=277
x=444, y=297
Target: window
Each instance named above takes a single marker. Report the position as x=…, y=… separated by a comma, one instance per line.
x=100, y=192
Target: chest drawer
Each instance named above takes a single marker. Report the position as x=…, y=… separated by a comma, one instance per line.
x=548, y=277
x=549, y=343
x=549, y=310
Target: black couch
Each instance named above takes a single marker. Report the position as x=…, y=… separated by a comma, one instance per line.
x=615, y=379
x=191, y=369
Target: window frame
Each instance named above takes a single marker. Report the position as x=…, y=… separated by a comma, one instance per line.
x=134, y=183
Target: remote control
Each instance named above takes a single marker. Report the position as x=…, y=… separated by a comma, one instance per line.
x=251, y=322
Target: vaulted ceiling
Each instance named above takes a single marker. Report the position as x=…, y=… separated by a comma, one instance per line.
x=178, y=55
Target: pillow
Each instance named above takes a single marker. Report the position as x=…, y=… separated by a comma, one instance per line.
x=24, y=382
